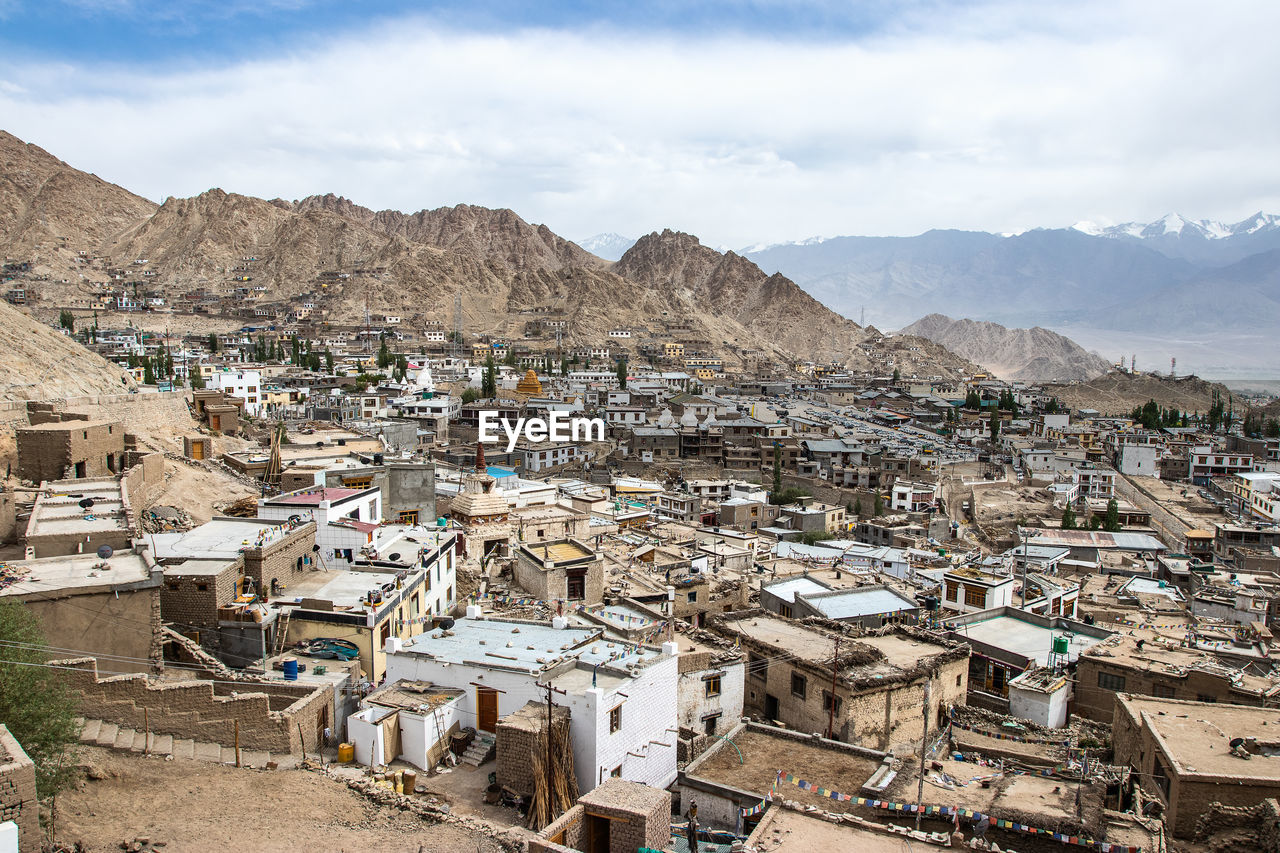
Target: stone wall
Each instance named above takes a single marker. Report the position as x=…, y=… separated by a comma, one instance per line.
x=270, y=715
x=18, y=801
x=637, y=815
x=191, y=601
x=284, y=561
x=142, y=479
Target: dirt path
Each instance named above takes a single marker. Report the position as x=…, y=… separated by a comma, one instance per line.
x=195, y=806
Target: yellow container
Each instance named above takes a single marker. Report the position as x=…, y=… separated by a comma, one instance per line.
x=346, y=753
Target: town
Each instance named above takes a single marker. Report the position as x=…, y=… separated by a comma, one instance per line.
x=753, y=604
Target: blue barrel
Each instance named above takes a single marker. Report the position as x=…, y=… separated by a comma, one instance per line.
x=290, y=669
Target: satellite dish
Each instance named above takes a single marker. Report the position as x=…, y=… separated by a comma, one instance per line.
x=315, y=548
x=446, y=624
x=393, y=557
x=1236, y=742
x=86, y=502
x=105, y=551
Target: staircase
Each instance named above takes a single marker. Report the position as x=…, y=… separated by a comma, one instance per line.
x=480, y=750
x=112, y=736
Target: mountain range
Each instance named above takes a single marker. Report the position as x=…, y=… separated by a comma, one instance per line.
x=347, y=259
x=1201, y=287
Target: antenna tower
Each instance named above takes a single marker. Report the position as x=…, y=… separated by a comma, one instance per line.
x=1173, y=367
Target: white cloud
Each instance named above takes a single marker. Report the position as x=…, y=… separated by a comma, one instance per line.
x=985, y=119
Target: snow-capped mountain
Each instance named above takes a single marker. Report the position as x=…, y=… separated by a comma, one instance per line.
x=609, y=246
x=1179, y=226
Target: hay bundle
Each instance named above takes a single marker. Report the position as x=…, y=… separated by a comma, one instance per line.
x=549, y=802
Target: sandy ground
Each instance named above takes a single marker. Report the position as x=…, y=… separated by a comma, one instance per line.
x=196, y=806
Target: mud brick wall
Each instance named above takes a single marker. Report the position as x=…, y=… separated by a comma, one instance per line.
x=518, y=736
x=192, y=600
x=285, y=561
x=18, y=801
x=269, y=715
x=51, y=451
x=142, y=479
x=639, y=816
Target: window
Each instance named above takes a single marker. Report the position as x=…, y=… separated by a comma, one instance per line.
x=1110, y=681
x=577, y=587
x=711, y=685
x=616, y=772
x=1162, y=691
x=408, y=516
x=203, y=587
x=693, y=597
x=958, y=679
x=975, y=597
x=953, y=592
x=799, y=685
x=542, y=534
x=709, y=723
x=826, y=703
x=414, y=606
x=1203, y=697
x=384, y=633
x=757, y=667
x=785, y=610
x=615, y=720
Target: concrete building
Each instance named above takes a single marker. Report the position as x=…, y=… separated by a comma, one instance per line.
x=1007, y=642
x=245, y=384
x=879, y=685
x=1180, y=752
x=620, y=697
x=97, y=606
x=970, y=590
x=908, y=496
x=345, y=518
x=71, y=449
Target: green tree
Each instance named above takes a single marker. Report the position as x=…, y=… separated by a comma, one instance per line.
x=995, y=425
x=148, y=372
x=1272, y=429
x=1111, y=522
x=878, y=509
x=384, y=355
x=622, y=373
x=328, y=361
x=510, y=358
x=1068, y=518
x=897, y=376
x=1051, y=407
x=35, y=702
x=787, y=496
x=213, y=342
x=469, y=395
x=489, y=380
x=857, y=508
x=1095, y=523
x=777, y=468
x=196, y=378
x=67, y=320
x=813, y=537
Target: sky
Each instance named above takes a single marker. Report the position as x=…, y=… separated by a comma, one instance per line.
x=742, y=122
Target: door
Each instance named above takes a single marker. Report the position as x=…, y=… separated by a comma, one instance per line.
x=486, y=709
x=770, y=707
x=197, y=450
x=597, y=834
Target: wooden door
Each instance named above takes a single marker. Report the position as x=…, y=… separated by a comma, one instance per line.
x=486, y=709
x=197, y=450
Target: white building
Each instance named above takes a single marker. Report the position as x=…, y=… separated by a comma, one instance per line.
x=968, y=590
x=620, y=696
x=245, y=384
x=710, y=694
x=345, y=518
x=912, y=497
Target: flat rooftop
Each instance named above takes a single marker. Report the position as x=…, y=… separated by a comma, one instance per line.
x=514, y=645
x=314, y=497
x=566, y=550
x=788, y=589
x=219, y=539
x=765, y=754
x=814, y=646
x=1197, y=735
x=413, y=695
x=854, y=603
x=346, y=589
x=57, y=510
x=1024, y=637
x=797, y=832
x=78, y=572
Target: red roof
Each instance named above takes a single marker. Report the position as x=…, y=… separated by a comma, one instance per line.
x=314, y=497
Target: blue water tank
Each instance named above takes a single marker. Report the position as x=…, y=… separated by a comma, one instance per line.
x=442, y=522
x=290, y=669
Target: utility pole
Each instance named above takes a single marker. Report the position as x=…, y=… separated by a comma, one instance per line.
x=924, y=752
x=1024, y=533
x=831, y=706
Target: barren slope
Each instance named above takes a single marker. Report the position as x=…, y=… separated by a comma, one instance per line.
x=40, y=363
x=1032, y=355
x=1118, y=393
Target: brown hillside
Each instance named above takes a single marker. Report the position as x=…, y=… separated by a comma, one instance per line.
x=1118, y=393
x=40, y=363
